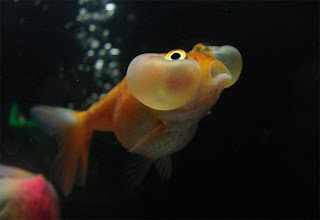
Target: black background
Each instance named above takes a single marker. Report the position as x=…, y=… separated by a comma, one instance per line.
x=256, y=155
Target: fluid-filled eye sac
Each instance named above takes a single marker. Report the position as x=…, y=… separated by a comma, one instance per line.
x=231, y=59
x=163, y=84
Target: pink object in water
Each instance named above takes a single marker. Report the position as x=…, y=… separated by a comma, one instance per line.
x=24, y=195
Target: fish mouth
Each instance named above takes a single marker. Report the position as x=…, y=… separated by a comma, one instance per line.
x=216, y=68
x=220, y=74
x=229, y=57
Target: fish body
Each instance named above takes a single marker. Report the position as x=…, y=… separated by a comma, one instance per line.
x=154, y=111
x=139, y=128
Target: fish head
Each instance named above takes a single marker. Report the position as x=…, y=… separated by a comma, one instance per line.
x=169, y=81
x=216, y=60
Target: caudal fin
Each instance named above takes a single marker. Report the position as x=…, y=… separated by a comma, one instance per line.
x=74, y=136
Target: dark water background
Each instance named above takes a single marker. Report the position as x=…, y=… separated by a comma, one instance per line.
x=256, y=155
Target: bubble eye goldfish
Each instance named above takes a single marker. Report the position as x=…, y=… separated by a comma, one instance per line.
x=154, y=111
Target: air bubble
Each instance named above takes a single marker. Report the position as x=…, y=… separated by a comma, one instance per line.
x=99, y=83
x=90, y=53
x=105, y=33
x=90, y=101
x=92, y=27
x=102, y=52
x=107, y=86
x=110, y=13
x=81, y=35
x=86, y=17
x=107, y=46
x=93, y=34
x=114, y=51
x=94, y=96
x=102, y=95
x=113, y=64
x=94, y=44
x=96, y=16
x=88, y=68
x=99, y=64
x=83, y=11
x=81, y=2
x=115, y=73
x=98, y=74
x=110, y=7
x=81, y=67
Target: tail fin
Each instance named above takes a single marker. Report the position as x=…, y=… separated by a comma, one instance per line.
x=74, y=135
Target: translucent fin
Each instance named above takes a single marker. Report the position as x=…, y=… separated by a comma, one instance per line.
x=53, y=119
x=73, y=135
x=135, y=171
x=164, y=167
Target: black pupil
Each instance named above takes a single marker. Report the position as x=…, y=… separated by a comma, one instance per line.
x=175, y=56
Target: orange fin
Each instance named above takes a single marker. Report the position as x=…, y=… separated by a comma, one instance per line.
x=74, y=136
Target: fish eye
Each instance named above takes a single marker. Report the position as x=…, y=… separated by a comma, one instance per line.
x=176, y=55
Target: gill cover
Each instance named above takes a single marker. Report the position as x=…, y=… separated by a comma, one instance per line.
x=163, y=82
x=230, y=58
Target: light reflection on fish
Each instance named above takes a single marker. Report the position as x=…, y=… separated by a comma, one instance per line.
x=154, y=111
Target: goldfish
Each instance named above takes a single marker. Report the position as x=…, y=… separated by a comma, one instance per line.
x=153, y=112
x=25, y=195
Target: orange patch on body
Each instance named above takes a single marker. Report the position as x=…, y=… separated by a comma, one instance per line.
x=132, y=120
